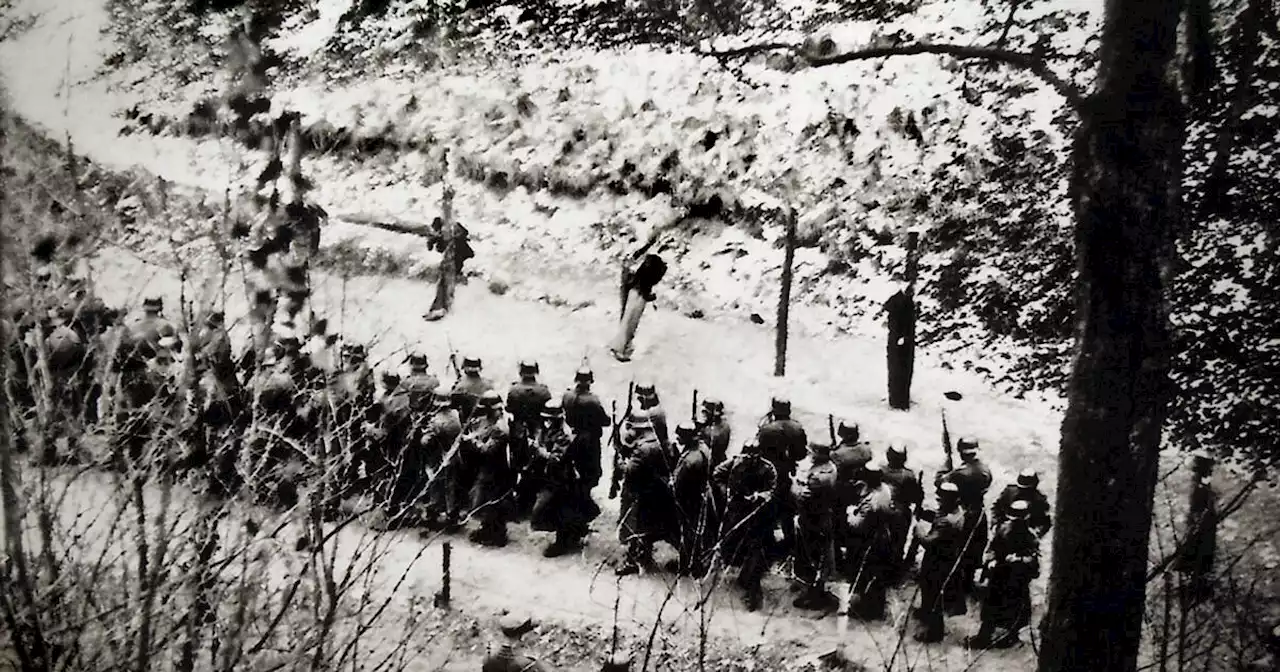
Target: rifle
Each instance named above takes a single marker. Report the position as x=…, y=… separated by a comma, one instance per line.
x=831, y=428
x=693, y=410
x=615, y=480
x=453, y=358
x=946, y=444
x=909, y=560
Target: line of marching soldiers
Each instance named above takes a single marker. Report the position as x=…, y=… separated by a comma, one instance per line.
x=432, y=456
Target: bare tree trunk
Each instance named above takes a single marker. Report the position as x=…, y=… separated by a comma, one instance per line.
x=784, y=298
x=1127, y=199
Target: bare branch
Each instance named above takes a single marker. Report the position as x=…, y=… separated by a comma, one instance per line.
x=1022, y=60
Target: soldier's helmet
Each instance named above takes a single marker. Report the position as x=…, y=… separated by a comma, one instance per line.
x=947, y=489
x=490, y=399
x=618, y=662
x=646, y=390
x=967, y=445
x=1028, y=478
x=584, y=375
x=780, y=406
x=152, y=304
x=552, y=409
x=713, y=407
x=896, y=453
x=686, y=432
x=873, y=472
x=515, y=626
x=750, y=448
x=528, y=367
x=820, y=449
x=850, y=432
x=390, y=379
x=164, y=350
x=471, y=365
x=639, y=419
x=417, y=362
x=1019, y=508
x=442, y=397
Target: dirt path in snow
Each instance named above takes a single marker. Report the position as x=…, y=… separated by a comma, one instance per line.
x=730, y=360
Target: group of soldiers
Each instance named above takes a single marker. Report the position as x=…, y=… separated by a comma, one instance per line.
x=308, y=416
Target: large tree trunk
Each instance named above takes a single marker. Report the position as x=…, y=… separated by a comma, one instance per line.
x=1127, y=198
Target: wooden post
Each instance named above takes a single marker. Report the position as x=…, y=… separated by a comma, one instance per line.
x=442, y=597
x=913, y=262
x=784, y=298
x=447, y=281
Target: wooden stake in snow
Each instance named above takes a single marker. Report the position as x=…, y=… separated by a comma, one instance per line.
x=447, y=280
x=442, y=597
x=784, y=298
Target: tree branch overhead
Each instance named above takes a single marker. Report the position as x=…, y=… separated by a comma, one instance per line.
x=1022, y=60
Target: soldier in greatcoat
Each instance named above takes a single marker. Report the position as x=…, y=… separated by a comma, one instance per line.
x=66, y=357
x=817, y=504
x=585, y=415
x=470, y=387
x=446, y=493
x=851, y=454
x=525, y=401
x=695, y=501
x=749, y=485
x=907, y=497
x=404, y=460
x=562, y=505
x=1012, y=562
x=870, y=534
x=714, y=430
x=486, y=456
x=972, y=478
x=148, y=410
x=1026, y=487
x=783, y=442
x=942, y=535
x=648, y=503
x=647, y=397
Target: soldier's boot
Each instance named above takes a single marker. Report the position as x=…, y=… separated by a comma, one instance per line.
x=983, y=639
x=639, y=554
x=753, y=595
x=565, y=542
x=816, y=598
x=930, y=628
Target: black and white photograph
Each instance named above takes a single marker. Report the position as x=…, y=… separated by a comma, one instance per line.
x=640, y=335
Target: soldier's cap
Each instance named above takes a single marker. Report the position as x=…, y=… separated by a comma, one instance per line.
x=528, y=366
x=820, y=447
x=873, y=468
x=713, y=405
x=583, y=375
x=1028, y=478
x=152, y=303
x=552, y=409
x=470, y=363
x=442, y=395
x=417, y=361
x=646, y=389
x=781, y=402
x=849, y=432
x=390, y=377
x=686, y=431
x=898, y=450
x=1019, y=508
x=750, y=447
x=967, y=444
x=513, y=625
x=490, y=399
x=948, y=488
